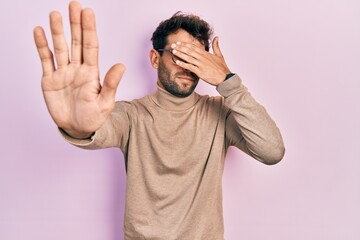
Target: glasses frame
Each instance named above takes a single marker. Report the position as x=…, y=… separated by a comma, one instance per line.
x=173, y=57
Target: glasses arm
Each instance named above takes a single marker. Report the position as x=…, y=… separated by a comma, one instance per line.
x=164, y=50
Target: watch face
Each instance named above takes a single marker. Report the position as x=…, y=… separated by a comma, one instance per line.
x=229, y=76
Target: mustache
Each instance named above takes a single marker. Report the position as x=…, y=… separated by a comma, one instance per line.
x=187, y=74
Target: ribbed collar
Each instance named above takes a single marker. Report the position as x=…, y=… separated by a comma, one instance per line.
x=167, y=101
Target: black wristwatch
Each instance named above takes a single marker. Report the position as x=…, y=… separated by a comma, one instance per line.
x=229, y=76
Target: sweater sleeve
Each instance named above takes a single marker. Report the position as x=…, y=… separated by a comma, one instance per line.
x=248, y=126
x=113, y=133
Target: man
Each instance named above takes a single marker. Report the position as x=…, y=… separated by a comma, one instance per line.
x=174, y=141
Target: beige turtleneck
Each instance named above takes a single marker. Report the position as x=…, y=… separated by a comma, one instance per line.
x=174, y=149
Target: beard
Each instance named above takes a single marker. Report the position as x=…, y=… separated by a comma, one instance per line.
x=173, y=83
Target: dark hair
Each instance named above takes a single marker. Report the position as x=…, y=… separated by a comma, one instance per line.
x=192, y=24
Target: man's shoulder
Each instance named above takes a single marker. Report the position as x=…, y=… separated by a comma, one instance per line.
x=207, y=99
x=215, y=104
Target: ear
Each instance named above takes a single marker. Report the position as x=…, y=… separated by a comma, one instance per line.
x=154, y=58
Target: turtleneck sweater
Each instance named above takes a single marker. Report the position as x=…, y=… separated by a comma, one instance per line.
x=174, y=150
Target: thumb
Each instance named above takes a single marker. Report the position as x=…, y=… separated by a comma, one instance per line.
x=111, y=82
x=215, y=46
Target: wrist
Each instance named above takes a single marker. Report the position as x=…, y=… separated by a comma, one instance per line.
x=229, y=75
x=77, y=134
x=226, y=77
x=223, y=77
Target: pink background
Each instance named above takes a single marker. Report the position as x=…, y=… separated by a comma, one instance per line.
x=301, y=59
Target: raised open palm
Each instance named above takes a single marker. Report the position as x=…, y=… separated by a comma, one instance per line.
x=73, y=94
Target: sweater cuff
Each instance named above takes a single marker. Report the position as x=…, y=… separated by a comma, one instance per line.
x=75, y=141
x=230, y=86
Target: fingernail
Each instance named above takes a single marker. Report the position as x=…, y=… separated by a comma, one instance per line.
x=178, y=43
x=174, y=51
x=173, y=45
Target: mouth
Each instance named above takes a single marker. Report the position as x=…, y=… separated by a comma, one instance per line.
x=188, y=77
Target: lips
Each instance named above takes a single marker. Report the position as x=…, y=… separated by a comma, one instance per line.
x=188, y=77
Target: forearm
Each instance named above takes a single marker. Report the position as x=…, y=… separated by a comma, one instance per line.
x=249, y=126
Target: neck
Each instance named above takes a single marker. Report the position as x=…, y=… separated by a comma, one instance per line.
x=168, y=101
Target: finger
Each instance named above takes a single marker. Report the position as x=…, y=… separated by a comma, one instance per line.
x=46, y=56
x=192, y=51
x=186, y=57
x=90, y=41
x=111, y=82
x=60, y=46
x=192, y=68
x=215, y=46
x=189, y=47
x=75, y=24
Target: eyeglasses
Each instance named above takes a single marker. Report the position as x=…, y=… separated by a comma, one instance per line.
x=173, y=57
